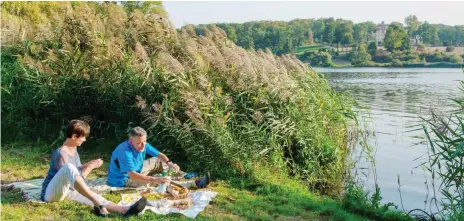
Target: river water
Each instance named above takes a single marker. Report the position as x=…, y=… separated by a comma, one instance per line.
x=396, y=98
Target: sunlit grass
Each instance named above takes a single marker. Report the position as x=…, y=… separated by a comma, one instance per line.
x=269, y=197
x=310, y=48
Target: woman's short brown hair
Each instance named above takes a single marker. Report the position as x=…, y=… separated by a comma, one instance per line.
x=78, y=127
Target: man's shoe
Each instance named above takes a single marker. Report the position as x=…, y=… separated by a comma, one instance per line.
x=203, y=182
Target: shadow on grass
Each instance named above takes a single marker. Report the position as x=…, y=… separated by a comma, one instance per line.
x=11, y=195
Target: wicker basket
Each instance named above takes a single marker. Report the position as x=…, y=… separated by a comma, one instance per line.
x=183, y=193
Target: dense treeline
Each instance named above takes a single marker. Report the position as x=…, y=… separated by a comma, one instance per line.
x=397, y=51
x=284, y=37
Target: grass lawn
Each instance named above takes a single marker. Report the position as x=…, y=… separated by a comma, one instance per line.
x=316, y=47
x=238, y=199
x=309, y=48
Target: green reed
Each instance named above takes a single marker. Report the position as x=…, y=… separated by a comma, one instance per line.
x=445, y=135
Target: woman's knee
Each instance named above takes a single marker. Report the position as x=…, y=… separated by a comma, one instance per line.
x=71, y=169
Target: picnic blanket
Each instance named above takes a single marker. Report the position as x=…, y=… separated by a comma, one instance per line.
x=31, y=192
x=200, y=200
x=32, y=188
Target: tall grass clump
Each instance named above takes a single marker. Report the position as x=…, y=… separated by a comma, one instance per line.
x=358, y=201
x=445, y=135
x=203, y=99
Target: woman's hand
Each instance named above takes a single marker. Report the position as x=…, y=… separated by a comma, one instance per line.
x=96, y=163
x=89, y=166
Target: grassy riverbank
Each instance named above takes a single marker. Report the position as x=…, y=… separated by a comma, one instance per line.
x=265, y=126
x=267, y=196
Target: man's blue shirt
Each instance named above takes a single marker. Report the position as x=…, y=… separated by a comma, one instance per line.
x=126, y=159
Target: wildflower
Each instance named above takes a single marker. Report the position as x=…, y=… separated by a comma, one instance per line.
x=156, y=107
x=86, y=76
x=140, y=102
x=218, y=91
x=257, y=116
x=229, y=100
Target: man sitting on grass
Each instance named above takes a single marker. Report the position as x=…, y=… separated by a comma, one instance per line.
x=130, y=168
x=66, y=176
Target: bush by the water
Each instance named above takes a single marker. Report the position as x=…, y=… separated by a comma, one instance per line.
x=360, y=56
x=372, y=48
x=436, y=57
x=382, y=56
x=432, y=65
x=420, y=47
x=320, y=59
x=361, y=202
x=408, y=57
x=212, y=104
x=397, y=63
x=456, y=58
x=450, y=48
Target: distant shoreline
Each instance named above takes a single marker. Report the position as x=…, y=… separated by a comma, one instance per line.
x=386, y=69
x=389, y=65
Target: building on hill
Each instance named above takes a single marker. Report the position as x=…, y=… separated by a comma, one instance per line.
x=381, y=31
x=415, y=40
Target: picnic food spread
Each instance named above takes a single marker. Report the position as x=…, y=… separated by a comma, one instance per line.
x=130, y=197
x=174, y=192
x=151, y=195
x=182, y=204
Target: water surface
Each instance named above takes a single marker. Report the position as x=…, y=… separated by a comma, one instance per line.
x=397, y=98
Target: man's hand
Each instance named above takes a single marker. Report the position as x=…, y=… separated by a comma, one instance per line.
x=173, y=166
x=159, y=180
x=96, y=163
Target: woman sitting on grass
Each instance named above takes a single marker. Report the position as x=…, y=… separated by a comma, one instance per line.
x=66, y=176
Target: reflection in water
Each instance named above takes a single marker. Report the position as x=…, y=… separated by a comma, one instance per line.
x=397, y=98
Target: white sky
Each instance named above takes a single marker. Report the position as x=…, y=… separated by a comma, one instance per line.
x=203, y=12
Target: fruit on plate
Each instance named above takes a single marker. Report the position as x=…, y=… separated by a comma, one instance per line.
x=130, y=197
x=150, y=195
x=153, y=196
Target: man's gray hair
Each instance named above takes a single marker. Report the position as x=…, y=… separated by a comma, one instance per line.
x=137, y=132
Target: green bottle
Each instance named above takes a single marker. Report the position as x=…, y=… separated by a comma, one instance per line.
x=163, y=174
